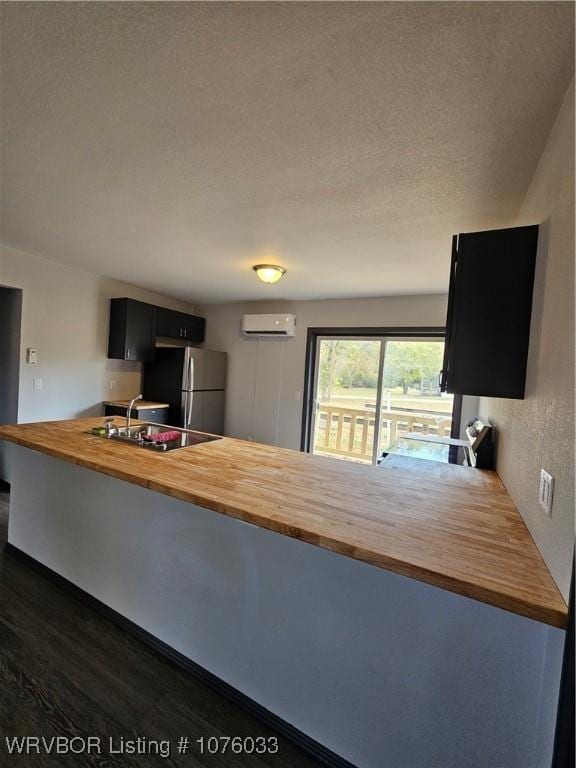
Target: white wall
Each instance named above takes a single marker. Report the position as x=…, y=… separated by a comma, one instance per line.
x=266, y=376
x=539, y=430
x=65, y=314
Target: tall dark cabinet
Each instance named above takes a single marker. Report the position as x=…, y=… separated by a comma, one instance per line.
x=489, y=309
x=132, y=330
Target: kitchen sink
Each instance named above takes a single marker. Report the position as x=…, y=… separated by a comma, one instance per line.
x=156, y=437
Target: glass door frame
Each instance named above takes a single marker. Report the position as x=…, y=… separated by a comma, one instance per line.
x=315, y=335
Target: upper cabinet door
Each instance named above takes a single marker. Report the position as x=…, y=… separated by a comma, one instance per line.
x=194, y=328
x=489, y=309
x=443, y=379
x=132, y=330
x=178, y=325
x=168, y=323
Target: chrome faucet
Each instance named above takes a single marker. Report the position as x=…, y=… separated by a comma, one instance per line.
x=129, y=411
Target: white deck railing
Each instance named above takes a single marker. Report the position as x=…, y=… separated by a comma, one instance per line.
x=349, y=432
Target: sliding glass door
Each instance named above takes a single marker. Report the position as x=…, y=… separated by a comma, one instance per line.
x=347, y=387
x=374, y=395
x=414, y=415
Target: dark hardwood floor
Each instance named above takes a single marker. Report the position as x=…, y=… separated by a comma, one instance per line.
x=65, y=670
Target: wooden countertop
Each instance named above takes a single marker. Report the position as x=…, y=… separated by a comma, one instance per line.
x=442, y=525
x=139, y=405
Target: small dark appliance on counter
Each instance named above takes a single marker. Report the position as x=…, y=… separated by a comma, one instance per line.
x=480, y=453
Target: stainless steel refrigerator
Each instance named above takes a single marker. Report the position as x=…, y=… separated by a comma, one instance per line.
x=193, y=382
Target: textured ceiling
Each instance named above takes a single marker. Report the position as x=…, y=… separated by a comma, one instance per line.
x=173, y=145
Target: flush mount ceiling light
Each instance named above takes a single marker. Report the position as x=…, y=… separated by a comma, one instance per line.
x=269, y=273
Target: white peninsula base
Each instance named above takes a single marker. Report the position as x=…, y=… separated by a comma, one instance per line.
x=385, y=671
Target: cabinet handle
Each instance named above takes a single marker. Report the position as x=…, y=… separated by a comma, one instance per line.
x=185, y=332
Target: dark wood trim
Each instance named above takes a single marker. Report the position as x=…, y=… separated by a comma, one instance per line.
x=309, y=745
x=308, y=392
x=455, y=430
x=564, y=741
x=375, y=331
x=310, y=364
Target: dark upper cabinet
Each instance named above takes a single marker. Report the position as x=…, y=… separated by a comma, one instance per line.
x=168, y=323
x=135, y=325
x=489, y=309
x=194, y=328
x=132, y=330
x=178, y=325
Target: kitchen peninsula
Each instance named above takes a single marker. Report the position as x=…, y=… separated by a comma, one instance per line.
x=360, y=604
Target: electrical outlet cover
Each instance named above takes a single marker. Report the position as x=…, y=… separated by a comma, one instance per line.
x=546, y=491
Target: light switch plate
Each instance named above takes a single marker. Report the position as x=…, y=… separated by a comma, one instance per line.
x=31, y=356
x=37, y=383
x=546, y=492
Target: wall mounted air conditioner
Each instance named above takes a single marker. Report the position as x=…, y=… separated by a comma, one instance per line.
x=269, y=325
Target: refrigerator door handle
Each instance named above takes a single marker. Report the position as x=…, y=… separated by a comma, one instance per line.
x=188, y=410
x=188, y=373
